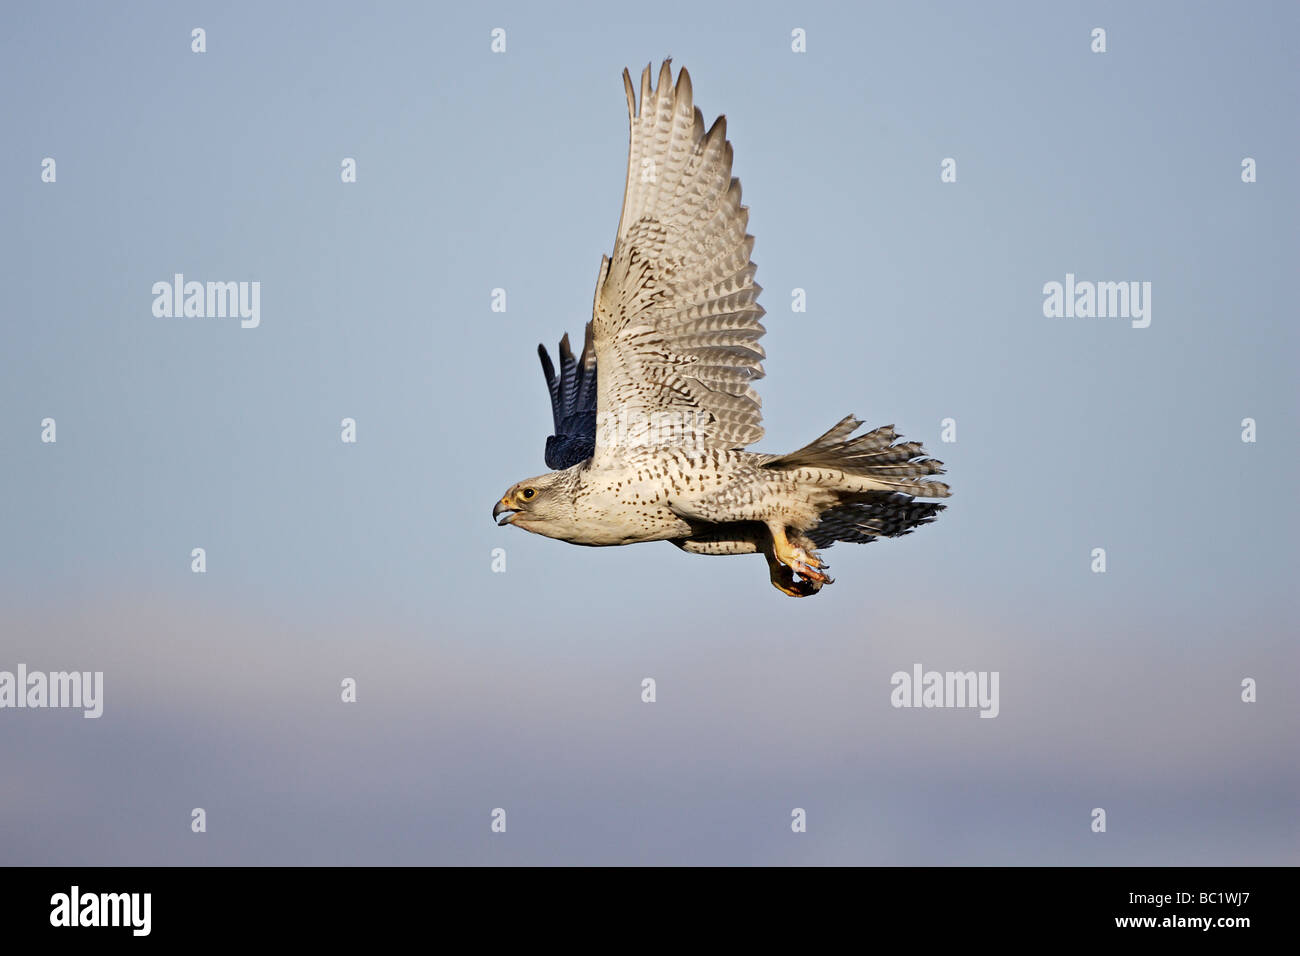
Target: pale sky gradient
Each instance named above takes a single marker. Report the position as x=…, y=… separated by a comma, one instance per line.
x=522, y=690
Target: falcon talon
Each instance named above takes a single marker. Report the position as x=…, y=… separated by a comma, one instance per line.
x=812, y=574
x=676, y=327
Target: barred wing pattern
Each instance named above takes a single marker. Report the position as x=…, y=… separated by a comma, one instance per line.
x=573, y=403
x=676, y=317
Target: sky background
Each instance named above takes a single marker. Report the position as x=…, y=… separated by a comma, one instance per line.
x=522, y=689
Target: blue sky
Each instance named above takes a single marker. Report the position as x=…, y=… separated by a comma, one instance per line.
x=522, y=690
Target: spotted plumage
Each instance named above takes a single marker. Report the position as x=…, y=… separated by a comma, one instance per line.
x=653, y=417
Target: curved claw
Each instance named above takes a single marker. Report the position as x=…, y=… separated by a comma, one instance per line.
x=788, y=558
x=783, y=580
x=808, y=566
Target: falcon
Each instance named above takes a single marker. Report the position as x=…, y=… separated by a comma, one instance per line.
x=653, y=417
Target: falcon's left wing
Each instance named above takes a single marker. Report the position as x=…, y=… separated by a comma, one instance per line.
x=573, y=404
x=676, y=315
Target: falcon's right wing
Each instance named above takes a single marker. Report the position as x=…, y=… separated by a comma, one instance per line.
x=573, y=404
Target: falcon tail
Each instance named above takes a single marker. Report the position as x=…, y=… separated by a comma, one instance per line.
x=888, y=467
x=863, y=519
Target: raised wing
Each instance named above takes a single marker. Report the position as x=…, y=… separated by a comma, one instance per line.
x=573, y=404
x=676, y=316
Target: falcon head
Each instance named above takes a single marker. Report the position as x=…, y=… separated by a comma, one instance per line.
x=541, y=505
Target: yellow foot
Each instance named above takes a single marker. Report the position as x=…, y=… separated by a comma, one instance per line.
x=788, y=559
x=783, y=580
x=807, y=565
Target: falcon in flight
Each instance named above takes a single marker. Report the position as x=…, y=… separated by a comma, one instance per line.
x=653, y=418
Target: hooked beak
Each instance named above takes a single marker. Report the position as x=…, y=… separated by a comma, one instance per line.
x=503, y=506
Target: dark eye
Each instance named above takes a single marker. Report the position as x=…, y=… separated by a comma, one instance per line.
x=528, y=492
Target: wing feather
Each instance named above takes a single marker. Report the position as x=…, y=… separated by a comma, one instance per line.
x=676, y=317
x=573, y=403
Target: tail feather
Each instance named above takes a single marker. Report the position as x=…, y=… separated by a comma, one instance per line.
x=872, y=455
x=862, y=520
